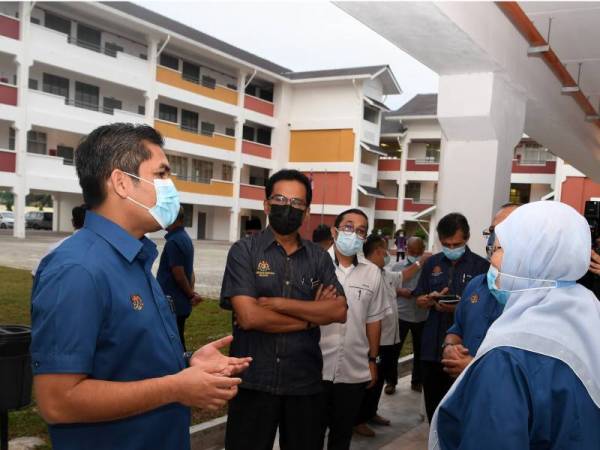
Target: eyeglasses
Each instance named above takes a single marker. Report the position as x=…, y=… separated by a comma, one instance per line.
x=282, y=200
x=349, y=229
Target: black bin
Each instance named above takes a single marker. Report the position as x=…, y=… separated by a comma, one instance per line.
x=15, y=367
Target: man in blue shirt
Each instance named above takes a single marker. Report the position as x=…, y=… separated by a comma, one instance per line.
x=476, y=312
x=109, y=369
x=176, y=273
x=447, y=272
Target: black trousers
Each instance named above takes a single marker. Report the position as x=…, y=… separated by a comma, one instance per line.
x=341, y=406
x=400, y=253
x=181, y=327
x=254, y=416
x=416, y=330
x=436, y=384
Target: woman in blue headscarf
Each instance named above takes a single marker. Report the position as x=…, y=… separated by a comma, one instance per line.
x=535, y=381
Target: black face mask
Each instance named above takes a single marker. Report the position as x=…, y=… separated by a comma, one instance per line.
x=284, y=219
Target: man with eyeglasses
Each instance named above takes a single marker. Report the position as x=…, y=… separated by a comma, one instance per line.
x=281, y=288
x=446, y=273
x=475, y=313
x=351, y=349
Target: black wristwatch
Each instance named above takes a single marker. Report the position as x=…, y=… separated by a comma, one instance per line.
x=187, y=356
x=375, y=359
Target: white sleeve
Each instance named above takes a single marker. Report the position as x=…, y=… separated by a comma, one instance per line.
x=378, y=308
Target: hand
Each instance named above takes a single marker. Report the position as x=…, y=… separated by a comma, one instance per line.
x=270, y=303
x=196, y=299
x=455, y=351
x=373, y=370
x=457, y=362
x=595, y=263
x=195, y=387
x=425, y=302
x=405, y=293
x=444, y=308
x=210, y=359
x=328, y=293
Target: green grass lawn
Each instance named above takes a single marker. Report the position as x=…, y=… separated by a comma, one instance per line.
x=207, y=323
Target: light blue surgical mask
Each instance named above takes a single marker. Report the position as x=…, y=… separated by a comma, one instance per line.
x=453, y=254
x=348, y=244
x=167, y=201
x=502, y=295
x=412, y=259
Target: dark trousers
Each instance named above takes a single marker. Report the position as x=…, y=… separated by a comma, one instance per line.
x=400, y=253
x=436, y=384
x=254, y=416
x=181, y=327
x=389, y=363
x=416, y=330
x=341, y=406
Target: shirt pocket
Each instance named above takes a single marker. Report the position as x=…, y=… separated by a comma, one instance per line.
x=360, y=295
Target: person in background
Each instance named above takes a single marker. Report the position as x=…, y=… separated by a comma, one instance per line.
x=77, y=220
x=410, y=317
x=322, y=236
x=447, y=272
x=280, y=288
x=476, y=312
x=109, y=370
x=351, y=350
x=400, y=245
x=535, y=382
x=176, y=272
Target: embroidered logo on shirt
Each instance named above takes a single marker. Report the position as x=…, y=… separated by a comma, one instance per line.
x=437, y=270
x=474, y=298
x=264, y=269
x=136, y=302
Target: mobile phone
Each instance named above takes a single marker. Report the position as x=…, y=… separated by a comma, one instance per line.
x=447, y=299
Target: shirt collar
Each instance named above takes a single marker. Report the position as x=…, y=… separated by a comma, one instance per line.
x=266, y=238
x=331, y=252
x=128, y=246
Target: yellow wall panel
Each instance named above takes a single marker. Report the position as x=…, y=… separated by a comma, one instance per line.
x=172, y=130
x=322, y=146
x=173, y=78
x=214, y=188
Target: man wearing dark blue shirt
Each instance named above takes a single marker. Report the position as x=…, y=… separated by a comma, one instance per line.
x=176, y=273
x=447, y=272
x=109, y=369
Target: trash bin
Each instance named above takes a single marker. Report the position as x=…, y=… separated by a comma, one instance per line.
x=15, y=373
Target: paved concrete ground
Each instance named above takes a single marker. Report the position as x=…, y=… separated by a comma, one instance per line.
x=209, y=256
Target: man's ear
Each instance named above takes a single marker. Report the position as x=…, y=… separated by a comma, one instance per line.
x=119, y=183
x=306, y=215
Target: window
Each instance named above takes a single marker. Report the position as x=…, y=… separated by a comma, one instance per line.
x=89, y=38
x=230, y=131
x=432, y=153
x=87, y=96
x=55, y=85
x=209, y=82
x=248, y=133
x=111, y=49
x=207, y=128
x=191, y=72
x=167, y=112
x=169, y=61
x=413, y=190
x=227, y=172
x=259, y=177
x=188, y=215
x=141, y=110
x=179, y=166
x=251, y=90
x=57, y=23
x=370, y=114
x=202, y=171
x=189, y=121
x=110, y=104
x=263, y=136
x=266, y=94
x=11, y=138
x=36, y=142
x=35, y=20
x=67, y=153
x=33, y=84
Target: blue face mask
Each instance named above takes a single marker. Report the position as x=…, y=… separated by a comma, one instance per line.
x=412, y=259
x=167, y=201
x=453, y=253
x=492, y=276
x=348, y=244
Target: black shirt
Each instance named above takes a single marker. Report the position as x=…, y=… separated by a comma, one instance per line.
x=257, y=266
x=438, y=273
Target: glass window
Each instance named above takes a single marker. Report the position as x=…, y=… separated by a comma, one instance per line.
x=33, y=84
x=413, y=190
x=89, y=38
x=169, y=61
x=248, y=133
x=230, y=131
x=11, y=138
x=110, y=104
x=67, y=153
x=189, y=121
x=55, y=85
x=251, y=90
x=258, y=176
x=266, y=94
x=209, y=82
x=167, y=112
x=202, y=171
x=191, y=72
x=263, y=136
x=207, y=128
x=179, y=166
x=370, y=114
x=111, y=49
x=57, y=23
x=87, y=96
x=227, y=172
x=36, y=142
x=432, y=153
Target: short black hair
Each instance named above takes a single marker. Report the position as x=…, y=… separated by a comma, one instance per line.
x=340, y=217
x=451, y=223
x=289, y=175
x=180, y=214
x=321, y=234
x=78, y=216
x=372, y=243
x=109, y=147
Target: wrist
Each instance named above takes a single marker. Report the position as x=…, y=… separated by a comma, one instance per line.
x=172, y=389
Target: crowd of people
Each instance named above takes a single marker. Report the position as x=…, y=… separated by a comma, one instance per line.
x=505, y=347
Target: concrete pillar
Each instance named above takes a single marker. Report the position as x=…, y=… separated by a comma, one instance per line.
x=56, y=212
x=402, y=180
x=234, y=222
x=20, y=189
x=482, y=118
x=151, y=94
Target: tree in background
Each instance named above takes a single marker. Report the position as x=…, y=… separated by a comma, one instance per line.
x=7, y=199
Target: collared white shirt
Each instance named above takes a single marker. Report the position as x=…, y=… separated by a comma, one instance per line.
x=390, y=328
x=345, y=346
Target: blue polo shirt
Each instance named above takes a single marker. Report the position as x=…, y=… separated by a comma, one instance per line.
x=438, y=273
x=475, y=314
x=97, y=310
x=178, y=251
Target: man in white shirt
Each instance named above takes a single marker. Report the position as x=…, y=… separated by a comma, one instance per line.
x=350, y=350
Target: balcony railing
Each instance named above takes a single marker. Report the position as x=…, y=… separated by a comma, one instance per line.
x=95, y=107
x=256, y=149
x=388, y=165
x=213, y=187
x=534, y=166
x=423, y=165
x=386, y=204
x=8, y=94
x=8, y=161
x=252, y=192
x=189, y=83
x=259, y=105
x=9, y=26
x=175, y=131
